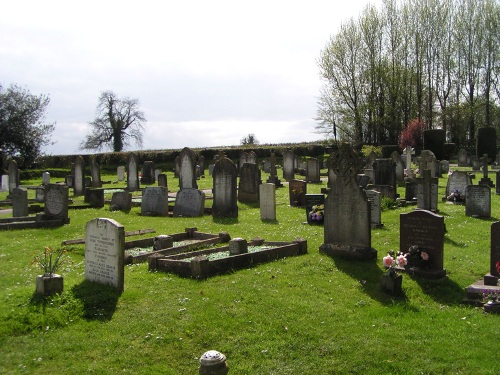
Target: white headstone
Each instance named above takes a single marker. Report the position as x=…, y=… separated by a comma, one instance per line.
x=267, y=197
x=45, y=178
x=120, y=171
x=5, y=182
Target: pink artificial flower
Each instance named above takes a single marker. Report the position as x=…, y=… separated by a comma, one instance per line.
x=388, y=261
x=402, y=261
x=424, y=255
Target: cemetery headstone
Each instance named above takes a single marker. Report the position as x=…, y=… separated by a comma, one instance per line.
x=313, y=170
x=273, y=175
x=95, y=172
x=56, y=202
x=154, y=201
x=315, y=208
x=40, y=193
x=78, y=177
x=375, y=198
x=5, y=182
x=162, y=180
x=485, y=180
x=347, y=224
x=45, y=178
x=104, y=252
x=250, y=179
x=120, y=172
x=455, y=187
x=224, y=189
x=434, y=140
x=121, y=201
x=498, y=183
x=201, y=163
x=427, y=191
x=187, y=171
x=94, y=197
x=266, y=166
x=411, y=191
x=157, y=173
x=462, y=158
x=13, y=179
x=486, y=142
x=478, y=201
x=288, y=165
x=493, y=277
x=476, y=166
x=384, y=173
x=252, y=157
x=148, y=172
x=399, y=167
x=133, y=183
x=408, y=153
x=19, y=198
x=427, y=160
x=267, y=201
x=370, y=159
x=444, y=166
x=189, y=203
x=68, y=180
x=426, y=230
x=177, y=166
x=297, y=190
x=243, y=159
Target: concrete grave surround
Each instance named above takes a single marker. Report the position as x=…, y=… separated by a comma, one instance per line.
x=347, y=225
x=224, y=189
x=426, y=230
x=154, y=201
x=478, y=201
x=189, y=203
x=267, y=201
x=104, y=252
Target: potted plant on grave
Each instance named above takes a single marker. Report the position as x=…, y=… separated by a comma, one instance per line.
x=491, y=299
x=456, y=197
x=317, y=214
x=50, y=261
x=392, y=281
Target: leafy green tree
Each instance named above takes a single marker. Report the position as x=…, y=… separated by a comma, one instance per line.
x=23, y=131
x=250, y=139
x=117, y=123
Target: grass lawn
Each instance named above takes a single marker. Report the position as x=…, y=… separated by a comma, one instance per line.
x=310, y=314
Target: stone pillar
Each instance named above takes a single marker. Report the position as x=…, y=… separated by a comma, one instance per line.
x=213, y=363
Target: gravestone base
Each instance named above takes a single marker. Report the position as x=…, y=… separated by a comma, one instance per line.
x=475, y=291
x=428, y=274
x=349, y=252
x=377, y=225
x=274, y=180
x=486, y=181
x=490, y=279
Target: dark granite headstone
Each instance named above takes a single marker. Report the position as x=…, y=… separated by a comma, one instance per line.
x=225, y=202
x=94, y=197
x=19, y=198
x=148, y=172
x=494, y=275
x=248, y=187
x=315, y=208
x=297, y=190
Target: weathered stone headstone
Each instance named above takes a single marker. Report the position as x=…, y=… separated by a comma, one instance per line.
x=157, y=173
x=375, y=198
x=68, y=180
x=384, y=173
x=267, y=201
x=94, y=197
x=56, y=202
x=297, y=190
x=40, y=193
x=224, y=189
x=19, y=198
x=266, y=166
x=411, y=190
x=189, y=203
x=426, y=230
x=273, y=174
x=120, y=172
x=78, y=177
x=95, y=172
x=5, y=182
x=13, y=179
x=427, y=191
x=493, y=276
x=485, y=180
x=370, y=159
x=45, y=178
x=347, y=225
x=104, y=252
x=444, y=165
x=462, y=158
x=315, y=208
x=408, y=153
x=288, y=165
x=201, y=163
x=133, y=183
x=148, y=172
x=252, y=157
x=154, y=201
x=399, y=167
x=162, y=180
x=476, y=166
x=250, y=179
x=312, y=170
x=177, y=166
x=478, y=201
x=427, y=160
x=457, y=182
x=187, y=171
x=121, y=201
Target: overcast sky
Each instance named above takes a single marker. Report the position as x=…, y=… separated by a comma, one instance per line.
x=206, y=73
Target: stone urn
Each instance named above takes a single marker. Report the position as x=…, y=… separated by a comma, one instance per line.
x=492, y=307
x=392, y=284
x=213, y=363
x=49, y=284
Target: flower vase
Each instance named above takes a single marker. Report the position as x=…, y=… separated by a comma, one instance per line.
x=49, y=284
x=492, y=307
x=392, y=284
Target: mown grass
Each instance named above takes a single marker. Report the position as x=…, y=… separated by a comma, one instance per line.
x=301, y=315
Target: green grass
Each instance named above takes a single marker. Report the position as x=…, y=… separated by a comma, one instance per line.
x=309, y=314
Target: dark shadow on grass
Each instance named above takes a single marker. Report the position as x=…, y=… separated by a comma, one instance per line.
x=269, y=221
x=453, y=242
x=99, y=301
x=368, y=274
x=444, y=291
x=225, y=220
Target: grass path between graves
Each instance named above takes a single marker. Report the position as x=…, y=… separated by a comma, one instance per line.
x=308, y=314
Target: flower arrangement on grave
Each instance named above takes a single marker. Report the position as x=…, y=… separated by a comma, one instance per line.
x=50, y=261
x=393, y=261
x=317, y=213
x=297, y=191
x=456, y=196
x=491, y=296
x=416, y=257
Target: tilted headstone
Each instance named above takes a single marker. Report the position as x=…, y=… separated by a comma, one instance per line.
x=462, y=158
x=104, y=252
x=347, y=225
x=133, y=183
x=189, y=203
x=297, y=190
x=121, y=201
x=267, y=201
x=313, y=170
x=224, y=189
x=56, y=202
x=427, y=191
x=457, y=182
x=187, y=171
x=95, y=172
x=19, y=198
x=375, y=199
x=493, y=277
x=120, y=173
x=13, y=175
x=45, y=178
x=288, y=165
x=78, y=176
x=426, y=230
x=478, y=201
x=154, y=201
x=248, y=187
x=148, y=172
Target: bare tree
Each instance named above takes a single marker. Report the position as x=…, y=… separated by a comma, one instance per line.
x=118, y=121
